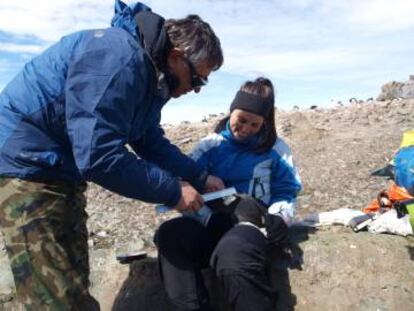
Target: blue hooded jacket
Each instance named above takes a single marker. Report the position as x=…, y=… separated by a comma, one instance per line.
x=270, y=176
x=69, y=114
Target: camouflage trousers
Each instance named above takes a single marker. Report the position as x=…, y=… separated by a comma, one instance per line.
x=46, y=240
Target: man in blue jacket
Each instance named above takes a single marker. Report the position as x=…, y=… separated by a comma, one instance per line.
x=67, y=118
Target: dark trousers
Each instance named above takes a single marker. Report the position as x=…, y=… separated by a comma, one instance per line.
x=237, y=254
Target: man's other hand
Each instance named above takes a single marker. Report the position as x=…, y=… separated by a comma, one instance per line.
x=213, y=183
x=190, y=199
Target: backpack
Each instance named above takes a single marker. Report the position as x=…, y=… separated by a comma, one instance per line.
x=400, y=194
x=404, y=163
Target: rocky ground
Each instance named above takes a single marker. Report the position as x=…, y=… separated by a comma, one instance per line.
x=335, y=150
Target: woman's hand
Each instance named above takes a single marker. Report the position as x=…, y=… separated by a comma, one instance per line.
x=213, y=183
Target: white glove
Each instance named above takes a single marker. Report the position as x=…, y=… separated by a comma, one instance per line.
x=390, y=223
x=340, y=216
x=286, y=210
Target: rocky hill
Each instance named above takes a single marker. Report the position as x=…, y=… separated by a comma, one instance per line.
x=396, y=90
x=330, y=269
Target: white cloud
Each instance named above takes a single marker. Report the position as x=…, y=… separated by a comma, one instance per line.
x=20, y=48
x=49, y=20
x=381, y=14
x=303, y=37
x=297, y=40
x=239, y=23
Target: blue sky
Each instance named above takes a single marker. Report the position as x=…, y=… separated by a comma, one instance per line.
x=316, y=52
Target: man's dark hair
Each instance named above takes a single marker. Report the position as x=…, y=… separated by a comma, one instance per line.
x=264, y=88
x=196, y=39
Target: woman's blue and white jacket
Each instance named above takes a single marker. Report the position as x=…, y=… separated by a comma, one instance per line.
x=270, y=176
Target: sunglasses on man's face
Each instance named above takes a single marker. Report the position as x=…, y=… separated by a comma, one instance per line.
x=197, y=81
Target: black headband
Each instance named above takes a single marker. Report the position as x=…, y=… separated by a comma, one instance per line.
x=252, y=103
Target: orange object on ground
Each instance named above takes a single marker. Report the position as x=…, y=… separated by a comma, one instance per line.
x=394, y=194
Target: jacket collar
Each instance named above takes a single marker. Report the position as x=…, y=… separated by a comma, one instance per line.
x=148, y=29
x=156, y=42
x=249, y=143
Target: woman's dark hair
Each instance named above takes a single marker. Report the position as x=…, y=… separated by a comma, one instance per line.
x=262, y=87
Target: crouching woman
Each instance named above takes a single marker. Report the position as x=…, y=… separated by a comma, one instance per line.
x=245, y=153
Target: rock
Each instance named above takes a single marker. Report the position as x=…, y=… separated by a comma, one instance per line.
x=143, y=288
x=397, y=90
x=335, y=151
x=185, y=140
x=326, y=270
x=107, y=277
x=102, y=234
x=300, y=127
x=91, y=243
x=348, y=271
x=6, y=278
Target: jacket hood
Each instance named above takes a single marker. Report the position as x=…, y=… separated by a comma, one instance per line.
x=125, y=16
x=148, y=29
x=145, y=26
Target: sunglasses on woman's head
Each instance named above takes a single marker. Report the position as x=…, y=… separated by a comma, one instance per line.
x=197, y=81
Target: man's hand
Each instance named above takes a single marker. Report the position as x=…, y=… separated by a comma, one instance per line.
x=190, y=199
x=213, y=183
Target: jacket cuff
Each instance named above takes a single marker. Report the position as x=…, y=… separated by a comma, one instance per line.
x=176, y=196
x=199, y=182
